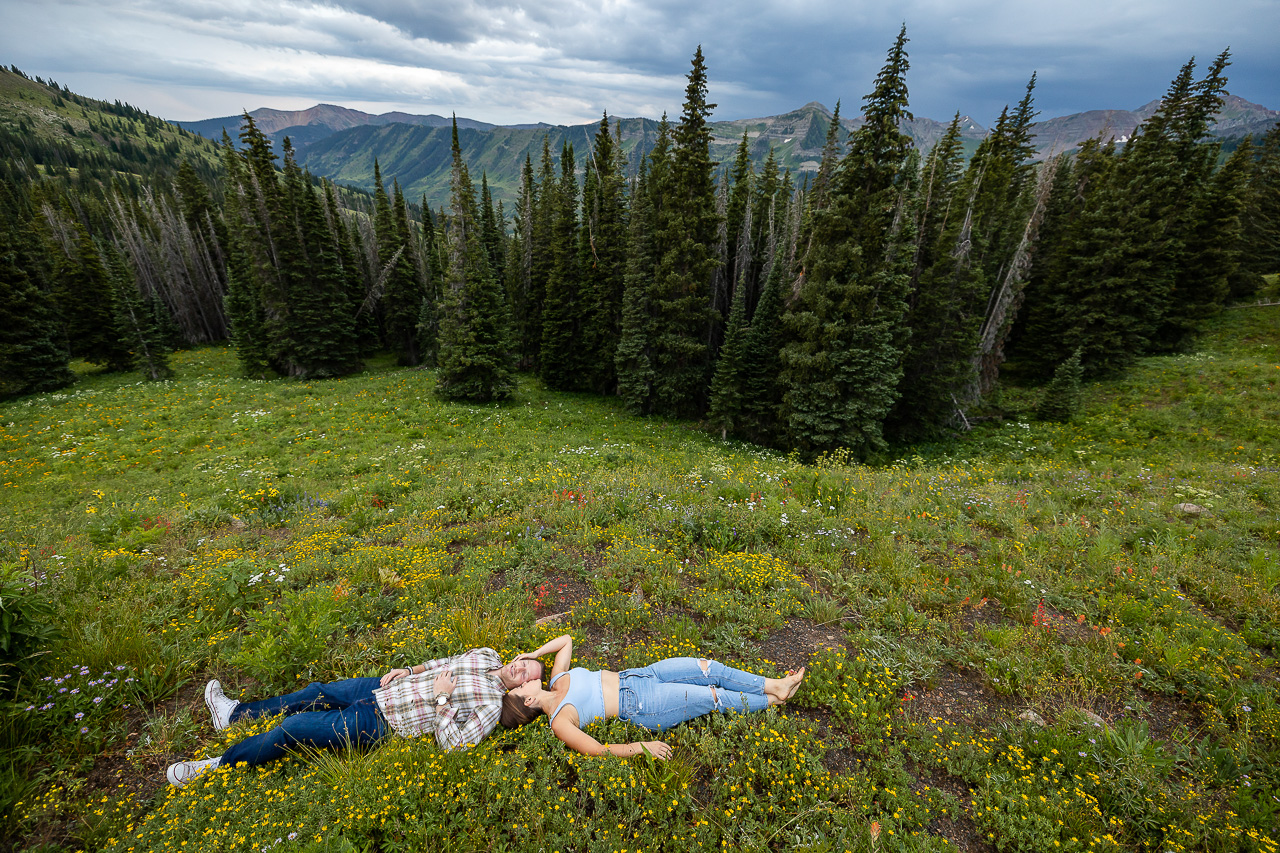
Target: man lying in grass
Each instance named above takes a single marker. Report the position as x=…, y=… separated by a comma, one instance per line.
x=655, y=697
x=458, y=699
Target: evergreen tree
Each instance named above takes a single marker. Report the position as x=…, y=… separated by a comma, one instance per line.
x=940, y=309
x=476, y=359
x=245, y=315
x=1260, y=219
x=322, y=326
x=403, y=287
x=141, y=323
x=845, y=337
x=433, y=271
x=726, y=386
x=562, y=365
x=737, y=209
x=492, y=229
x=1211, y=249
x=634, y=358
x=521, y=296
x=685, y=236
x=1120, y=296
x=761, y=358
x=1064, y=395
x=86, y=298
x=1045, y=329
x=602, y=247
x=32, y=360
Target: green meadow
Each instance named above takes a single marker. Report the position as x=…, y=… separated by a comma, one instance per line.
x=1035, y=637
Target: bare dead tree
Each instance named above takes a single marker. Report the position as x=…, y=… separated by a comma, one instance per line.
x=1002, y=307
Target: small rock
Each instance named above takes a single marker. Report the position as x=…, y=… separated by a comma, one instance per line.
x=637, y=595
x=1032, y=717
x=1093, y=718
x=1191, y=509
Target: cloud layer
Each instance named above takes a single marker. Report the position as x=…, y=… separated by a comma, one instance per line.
x=567, y=61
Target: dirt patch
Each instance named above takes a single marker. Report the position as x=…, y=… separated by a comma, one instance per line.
x=1166, y=715
x=957, y=827
x=958, y=696
x=986, y=611
x=796, y=642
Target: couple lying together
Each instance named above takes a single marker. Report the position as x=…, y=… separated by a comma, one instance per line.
x=461, y=699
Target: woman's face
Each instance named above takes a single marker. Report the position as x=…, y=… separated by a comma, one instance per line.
x=527, y=691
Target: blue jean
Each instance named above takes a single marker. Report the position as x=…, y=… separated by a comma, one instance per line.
x=323, y=716
x=672, y=691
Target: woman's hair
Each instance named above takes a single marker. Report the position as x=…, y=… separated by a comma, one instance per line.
x=515, y=713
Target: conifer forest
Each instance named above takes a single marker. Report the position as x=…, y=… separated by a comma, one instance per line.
x=872, y=301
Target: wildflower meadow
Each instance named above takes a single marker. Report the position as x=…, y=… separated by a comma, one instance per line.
x=1033, y=637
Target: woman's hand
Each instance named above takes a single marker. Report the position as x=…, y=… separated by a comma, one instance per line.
x=524, y=656
x=656, y=748
x=444, y=683
x=393, y=675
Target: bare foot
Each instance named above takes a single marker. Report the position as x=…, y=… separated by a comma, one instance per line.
x=779, y=690
x=792, y=681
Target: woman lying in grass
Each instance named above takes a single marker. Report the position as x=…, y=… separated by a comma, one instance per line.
x=654, y=697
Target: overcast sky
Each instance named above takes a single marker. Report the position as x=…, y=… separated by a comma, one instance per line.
x=567, y=61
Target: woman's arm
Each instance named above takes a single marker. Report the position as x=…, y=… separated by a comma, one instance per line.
x=579, y=741
x=562, y=647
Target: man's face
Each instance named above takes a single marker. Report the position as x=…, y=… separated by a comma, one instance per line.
x=518, y=672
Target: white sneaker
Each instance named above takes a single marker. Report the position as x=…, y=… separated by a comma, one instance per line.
x=219, y=704
x=184, y=771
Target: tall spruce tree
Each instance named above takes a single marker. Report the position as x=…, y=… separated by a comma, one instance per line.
x=562, y=364
x=940, y=310
x=602, y=248
x=845, y=336
x=521, y=296
x=685, y=235
x=761, y=418
x=634, y=358
x=1260, y=219
x=476, y=357
x=32, y=359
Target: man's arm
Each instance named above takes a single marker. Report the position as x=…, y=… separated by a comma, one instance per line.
x=483, y=720
x=405, y=671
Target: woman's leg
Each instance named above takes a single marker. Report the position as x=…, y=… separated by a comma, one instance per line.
x=707, y=672
x=314, y=697
x=658, y=706
x=358, y=724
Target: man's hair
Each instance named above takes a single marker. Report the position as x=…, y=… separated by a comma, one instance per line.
x=515, y=713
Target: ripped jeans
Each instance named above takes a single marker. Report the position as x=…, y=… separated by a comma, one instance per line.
x=672, y=691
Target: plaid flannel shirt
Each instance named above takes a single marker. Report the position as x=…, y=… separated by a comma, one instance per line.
x=472, y=712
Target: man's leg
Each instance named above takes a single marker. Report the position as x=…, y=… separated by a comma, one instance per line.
x=358, y=724
x=335, y=695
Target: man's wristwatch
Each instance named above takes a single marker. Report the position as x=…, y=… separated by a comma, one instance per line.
x=442, y=698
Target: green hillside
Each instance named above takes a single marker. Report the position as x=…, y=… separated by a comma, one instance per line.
x=54, y=132
x=1042, y=637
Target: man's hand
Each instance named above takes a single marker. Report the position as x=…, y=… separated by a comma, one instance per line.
x=393, y=675
x=656, y=748
x=444, y=683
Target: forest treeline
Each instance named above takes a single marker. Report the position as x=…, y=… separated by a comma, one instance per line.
x=875, y=302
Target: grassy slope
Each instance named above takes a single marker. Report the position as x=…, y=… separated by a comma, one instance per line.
x=410, y=527
x=30, y=109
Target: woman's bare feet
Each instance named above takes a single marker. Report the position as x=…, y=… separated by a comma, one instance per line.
x=779, y=690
